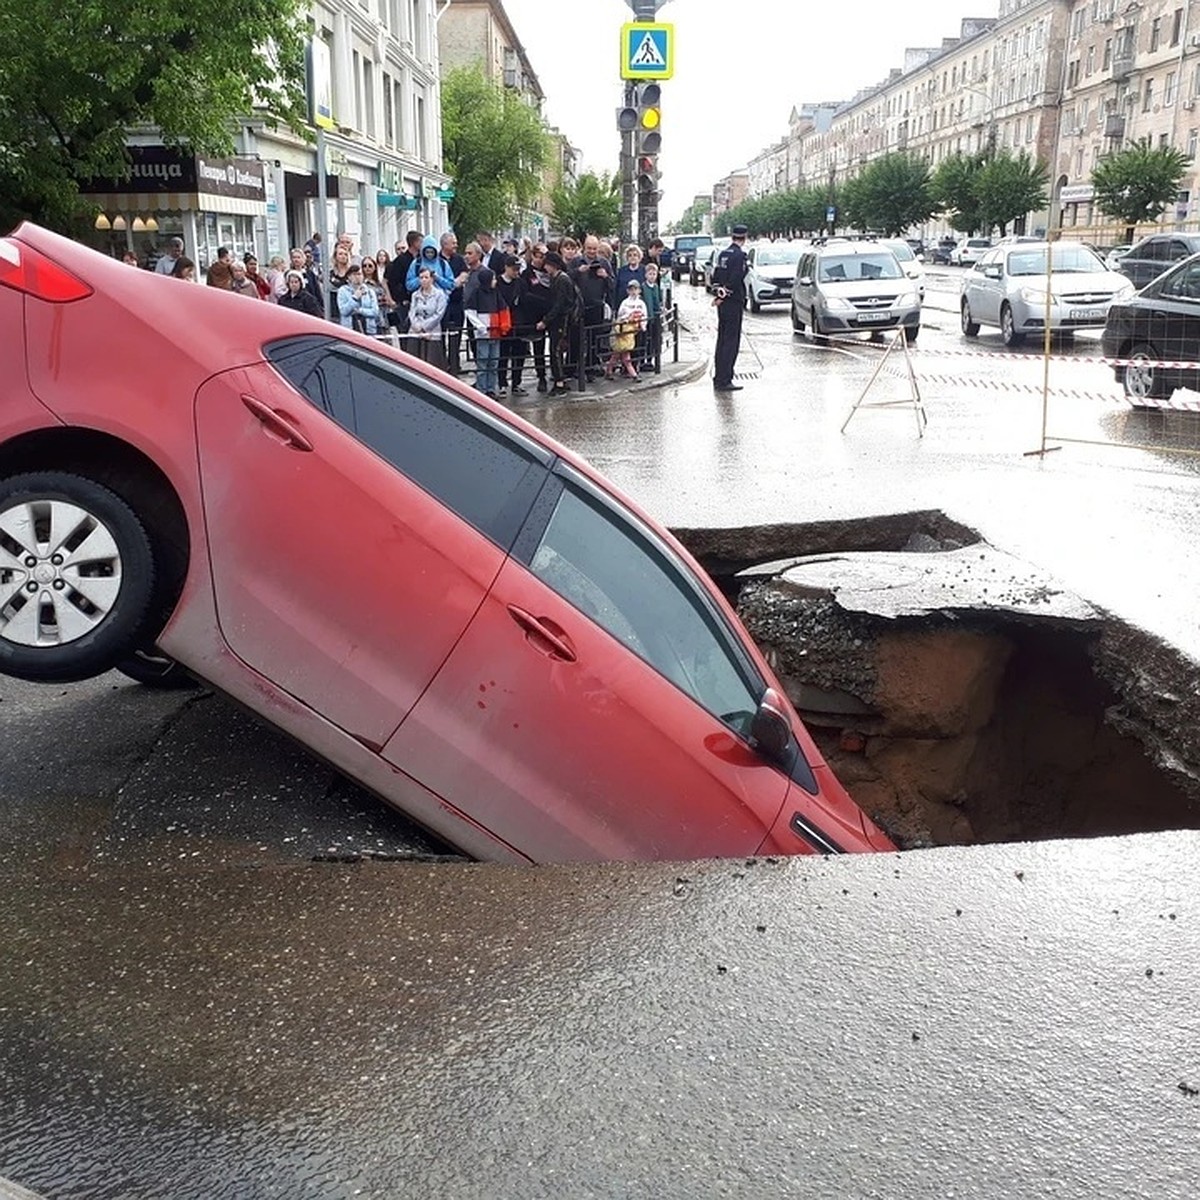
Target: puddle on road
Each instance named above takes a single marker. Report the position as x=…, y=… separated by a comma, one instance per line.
x=973, y=721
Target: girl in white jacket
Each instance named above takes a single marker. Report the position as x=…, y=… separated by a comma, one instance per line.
x=631, y=318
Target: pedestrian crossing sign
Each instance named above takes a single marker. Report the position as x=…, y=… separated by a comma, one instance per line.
x=647, y=51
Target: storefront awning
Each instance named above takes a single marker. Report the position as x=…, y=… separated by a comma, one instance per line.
x=135, y=202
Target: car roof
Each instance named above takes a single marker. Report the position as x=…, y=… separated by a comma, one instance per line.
x=853, y=248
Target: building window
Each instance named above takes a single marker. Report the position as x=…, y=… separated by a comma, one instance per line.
x=1029, y=129
x=1169, y=89
x=1107, y=63
x=1091, y=61
x=368, y=89
x=356, y=120
x=1073, y=73
x=422, y=139
x=1155, y=33
x=1079, y=163
x=1196, y=81
x=1148, y=96
x=1176, y=27
x=1193, y=142
x=389, y=124
x=1164, y=141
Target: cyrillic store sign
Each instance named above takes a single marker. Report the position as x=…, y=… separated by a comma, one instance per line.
x=159, y=169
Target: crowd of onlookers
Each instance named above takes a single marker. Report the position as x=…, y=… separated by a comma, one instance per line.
x=564, y=309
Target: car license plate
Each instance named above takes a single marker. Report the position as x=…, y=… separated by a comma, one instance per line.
x=874, y=316
x=1087, y=314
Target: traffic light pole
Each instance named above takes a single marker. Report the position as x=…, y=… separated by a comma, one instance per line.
x=627, y=171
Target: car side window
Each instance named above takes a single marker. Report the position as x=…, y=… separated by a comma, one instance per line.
x=1184, y=284
x=1156, y=250
x=487, y=474
x=1178, y=249
x=631, y=585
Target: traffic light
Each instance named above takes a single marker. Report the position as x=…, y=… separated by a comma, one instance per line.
x=647, y=176
x=649, y=118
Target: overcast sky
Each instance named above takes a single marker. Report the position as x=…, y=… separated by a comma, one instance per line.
x=740, y=67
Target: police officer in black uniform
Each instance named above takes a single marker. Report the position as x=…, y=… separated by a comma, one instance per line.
x=729, y=287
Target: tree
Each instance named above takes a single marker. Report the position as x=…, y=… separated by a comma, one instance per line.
x=1008, y=186
x=952, y=189
x=1136, y=184
x=591, y=205
x=494, y=147
x=890, y=194
x=75, y=77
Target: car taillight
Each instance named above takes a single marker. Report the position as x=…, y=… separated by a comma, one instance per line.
x=34, y=274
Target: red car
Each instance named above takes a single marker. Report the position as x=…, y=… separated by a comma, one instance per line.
x=424, y=590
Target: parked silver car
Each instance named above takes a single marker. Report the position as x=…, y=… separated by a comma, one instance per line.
x=852, y=287
x=1007, y=288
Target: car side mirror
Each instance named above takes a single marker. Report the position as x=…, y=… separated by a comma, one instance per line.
x=770, y=729
x=805, y=281
x=920, y=258
x=993, y=272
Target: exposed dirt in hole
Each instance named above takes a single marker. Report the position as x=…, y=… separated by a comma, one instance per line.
x=973, y=722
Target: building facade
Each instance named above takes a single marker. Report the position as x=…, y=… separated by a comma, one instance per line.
x=1066, y=81
x=383, y=155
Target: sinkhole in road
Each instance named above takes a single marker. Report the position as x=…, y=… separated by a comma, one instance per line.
x=958, y=695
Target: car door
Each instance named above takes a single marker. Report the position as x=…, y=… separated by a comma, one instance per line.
x=356, y=518
x=597, y=707
x=1150, y=261
x=985, y=292
x=1172, y=324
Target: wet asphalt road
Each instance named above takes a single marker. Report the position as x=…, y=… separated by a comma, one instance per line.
x=200, y=995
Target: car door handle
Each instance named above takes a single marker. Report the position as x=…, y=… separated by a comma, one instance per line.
x=289, y=433
x=537, y=629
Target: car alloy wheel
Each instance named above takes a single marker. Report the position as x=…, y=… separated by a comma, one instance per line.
x=1142, y=379
x=76, y=577
x=970, y=328
x=1008, y=328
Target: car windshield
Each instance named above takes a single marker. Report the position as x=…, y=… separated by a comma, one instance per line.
x=838, y=268
x=778, y=256
x=1067, y=260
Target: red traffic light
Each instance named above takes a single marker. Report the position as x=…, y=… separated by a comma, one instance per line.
x=646, y=165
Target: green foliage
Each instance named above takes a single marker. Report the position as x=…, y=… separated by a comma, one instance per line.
x=74, y=77
x=1137, y=184
x=494, y=148
x=591, y=205
x=693, y=217
x=1008, y=186
x=952, y=188
x=778, y=214
x=889, y=195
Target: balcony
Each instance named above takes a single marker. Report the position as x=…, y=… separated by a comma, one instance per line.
x=1122, y=63
x=1114, y=126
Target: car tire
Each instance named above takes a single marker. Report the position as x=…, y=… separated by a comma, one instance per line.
x=154, y=669
x=102, y=621
x=797, y=324
x=755, y=307
x=1008, y=328
x=970, y=328
x=1144, y=382
x=819, y=338
x=911, y=332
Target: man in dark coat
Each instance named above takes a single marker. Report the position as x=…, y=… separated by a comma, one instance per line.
x=397, y=273
x=594, y=277
x=559, y=317
x=729, y=288
x=511, y=287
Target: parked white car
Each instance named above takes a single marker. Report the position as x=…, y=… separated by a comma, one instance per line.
x=771, y=271
x=969, y=251
x=911, y=263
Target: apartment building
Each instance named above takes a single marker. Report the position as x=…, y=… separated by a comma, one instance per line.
x=383, y=162
x=1132, y=72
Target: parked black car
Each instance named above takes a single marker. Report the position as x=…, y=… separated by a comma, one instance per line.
x=1161, y=324
x=1150, y=257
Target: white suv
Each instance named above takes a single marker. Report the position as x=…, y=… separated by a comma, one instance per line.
x=969, y=251
x=853, y=287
